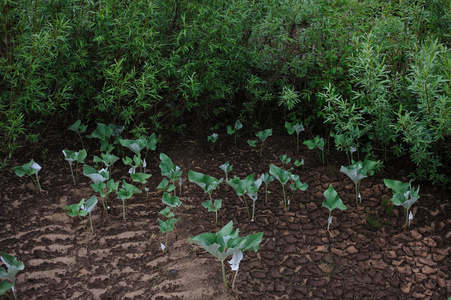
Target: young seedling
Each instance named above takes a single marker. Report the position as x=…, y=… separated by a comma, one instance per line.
x=226, y=242
x=107, y=159
x=133, y=163
x=169, y=170
x=357, y=172
x=79, y=128
x=403, y=195
x=166, y=186
x=88, y=206
x=285, y=160
x=226, y=167
x=125, y=193
x=76, y=210
x=297, y=185
x=266, y=178
x=298, y=163
x=13, y=267
x=72, y=156
x=262, y=135
x=331, y=202
x=29, y=169
x=234, y=131
x=213, y=206
x=104, y=190
x=212, y=138
x=253, y=194
x=283, y=177
x=317, y=143
x=208, y=184
x=242, y=187
x=167, y=226
x=171, y=201
x=294, y=127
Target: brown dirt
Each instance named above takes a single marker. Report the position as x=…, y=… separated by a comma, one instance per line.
x=297, y=258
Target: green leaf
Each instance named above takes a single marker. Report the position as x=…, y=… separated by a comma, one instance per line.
x=127, y=190
x=238, y=125
x=332, y=200
x=264, y=134
x=140, y=177
x=317, y=142
x=280, y=174
x=353, y=172
x=241, y=187
x=164, y=186
x=289, y=127
x=167, y=212
x=78, y=127
x=13, y=265
x=5, y=285
x=94, y=175
x=252, y=143
x=206, y=182
x=172, y=201
x=226, y=167
x=212, y=206
x=135, y=145
x=99, y=188
x=25, y=169
x=102, y=132
x=167, y=225
x=89, y=205
x=151, y=142
x=230, y=131
x=74, y=209
x=396, y=186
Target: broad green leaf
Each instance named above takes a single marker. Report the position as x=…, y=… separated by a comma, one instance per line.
x=5, y=285
x=226, y=167
x=396, y=186
x=99, y=188
x=238, y=125
x=25, y=169
x=78, y=127
x=134, y=145
x=290, y=127
x=102, y=132
x=74, y=209
x=172, y=201
x=140, y=177
x=206, y=182
x=353, y=172
x=280, y=174
x=167, y=212
x=332, y=200
x=252, y=143
x=167, y=225
x=13, y=265
x=298, y=185
x=241, y=187
x=264, y=134
x=151, y=142
x=96, y=176
x=165, y=186
x=212, y=207
x=127, y=190
x=317, y=142
x=230, y=131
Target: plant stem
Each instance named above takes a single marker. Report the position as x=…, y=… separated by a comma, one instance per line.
x=84, y=223
x=72, y=172
x=328, y=223
x=247, y=207
x=261, y=149
x=39, y=185
x=90, y=221
x=284, y=196
x=253, y=211
x=407, y=217
x=234, y=278
x=266, y=193
x=166, y=248
x=297, y=143
x=223, y=274
x=123, y=209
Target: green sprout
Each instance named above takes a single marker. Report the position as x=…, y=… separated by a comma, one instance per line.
x=226, y=242
x=294, y=127
x=357, y=172
x=167, y=226
x=226, y=167
x=266, y=178
x=403, y=195
x=171, y=171
x=72, y=156
x=78, y=128
x=208, y=184
x=126, y=192
x=104, y=190
x=262, y=135
x=234, y=131
x=82, y=209
x=29, y=169
x=331, y=202
x=103, y=133
x=317, y=143
x=212, y=138
x=283, y=177
x=285, y=160
x=242, y=187
x=13, y=266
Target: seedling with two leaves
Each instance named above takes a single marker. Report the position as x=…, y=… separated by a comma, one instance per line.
x=267, y=179
x=286, y=160
x=357, y=172
x=171, y=172
x=294, y=127
x=82, y=209
x=317, y=143
x=226, y=242
x=72, y=156
x=29, y=169
x=243, y=187
x=212, y=138
x=332, y=202
x=104, y=190
x=283, y=177
x=234, y=131
x=127, y=191
x=79, y=128
x=262, y=135
x=13, y=267
x=403, y=195
x=167, y=226
x=226, y=167
x=208, y=184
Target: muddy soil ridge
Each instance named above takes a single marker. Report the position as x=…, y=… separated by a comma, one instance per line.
x=366, y=255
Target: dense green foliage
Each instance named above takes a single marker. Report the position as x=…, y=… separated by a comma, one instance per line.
x=377, y=72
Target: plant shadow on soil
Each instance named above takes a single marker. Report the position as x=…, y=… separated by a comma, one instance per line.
x=366, y=254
